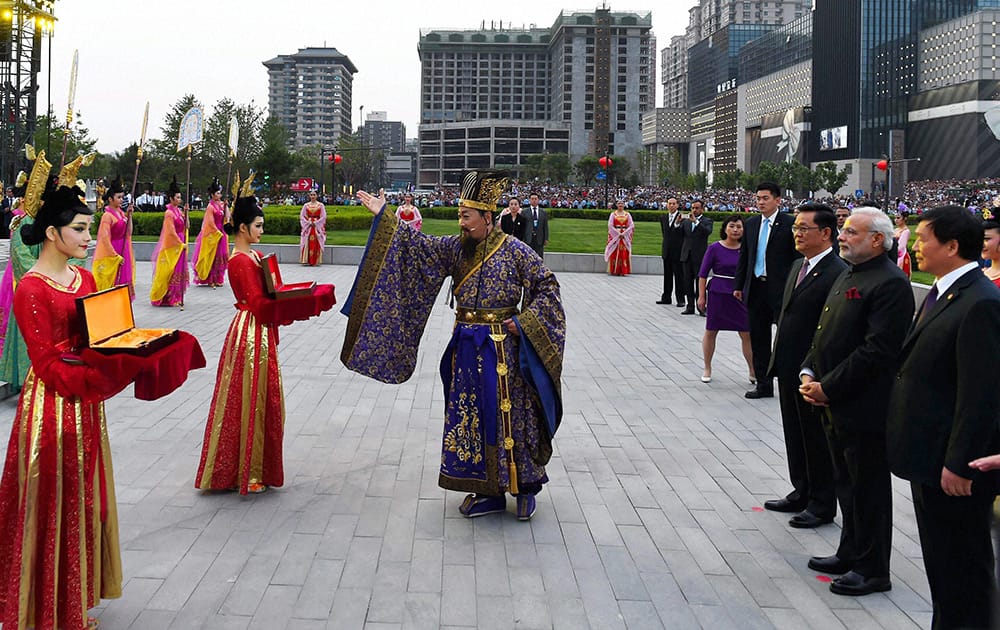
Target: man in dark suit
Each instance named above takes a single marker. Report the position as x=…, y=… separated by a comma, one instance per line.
x=765, y=259
x=848, y=372
x=536, y=231
x=810, y=470
x=943, y=414
x=697, y=228
x=673, y=241
x=514, y=221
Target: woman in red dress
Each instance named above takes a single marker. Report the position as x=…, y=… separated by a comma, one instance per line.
x=409, y=214
x=246, y=422
x=618, y=252
x=313, y=240
x=58, y=522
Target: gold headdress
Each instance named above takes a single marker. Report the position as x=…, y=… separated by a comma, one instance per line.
x=236, y=185
x=481, y=190
x=247, y=189
x=67, y=176
x=36, y=181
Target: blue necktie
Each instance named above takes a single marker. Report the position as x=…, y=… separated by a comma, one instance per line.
x=759, y=268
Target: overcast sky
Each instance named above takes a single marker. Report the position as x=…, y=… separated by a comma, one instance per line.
x=132, y=51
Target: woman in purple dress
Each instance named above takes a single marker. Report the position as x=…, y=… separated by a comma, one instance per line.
x=723, y=310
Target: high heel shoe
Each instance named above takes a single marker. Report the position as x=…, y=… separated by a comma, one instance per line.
x=706, y=378
x=752, y=379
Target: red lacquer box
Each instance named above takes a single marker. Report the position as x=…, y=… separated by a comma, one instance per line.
x=275, y=287
x=109, y=324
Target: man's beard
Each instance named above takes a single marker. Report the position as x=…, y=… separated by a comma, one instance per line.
x=469, y=245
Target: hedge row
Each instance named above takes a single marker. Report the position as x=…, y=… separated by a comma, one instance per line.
x=285, y=219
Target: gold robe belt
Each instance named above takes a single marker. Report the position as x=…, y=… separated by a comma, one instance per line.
x=483, y=315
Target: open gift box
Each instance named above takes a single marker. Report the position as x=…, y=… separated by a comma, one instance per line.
x=109, y=324
x=275, y=287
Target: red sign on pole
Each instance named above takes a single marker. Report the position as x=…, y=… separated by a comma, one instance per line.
x=302, y=185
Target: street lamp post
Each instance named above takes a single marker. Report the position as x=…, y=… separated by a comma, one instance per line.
x=606, y=163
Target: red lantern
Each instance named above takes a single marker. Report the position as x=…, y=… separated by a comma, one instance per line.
x=882, y=165
x=606, y=162
x=337, y=158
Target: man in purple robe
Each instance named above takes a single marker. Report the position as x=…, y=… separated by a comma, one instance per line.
x=502, y=367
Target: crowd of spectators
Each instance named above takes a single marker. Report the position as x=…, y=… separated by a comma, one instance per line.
x=918, y=196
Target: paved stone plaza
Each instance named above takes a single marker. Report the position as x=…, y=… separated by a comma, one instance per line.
x=652, y=517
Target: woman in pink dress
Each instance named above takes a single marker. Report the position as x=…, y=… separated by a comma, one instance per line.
x=211, y=251
x=170, y=274
x=902, y=233
x=313, y=220
x=618, y=252
x=114, y=261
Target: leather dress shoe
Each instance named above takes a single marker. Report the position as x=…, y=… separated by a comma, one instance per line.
x=807, y=520
x=681, y=305
x=663, y=301
x=853, y=583
x=784, y=505
x=688, y=311
x=829, y=564
x=759, y=393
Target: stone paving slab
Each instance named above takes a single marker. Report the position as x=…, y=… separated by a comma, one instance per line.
x=650, y=520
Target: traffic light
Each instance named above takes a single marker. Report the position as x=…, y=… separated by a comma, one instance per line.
x=267, y=179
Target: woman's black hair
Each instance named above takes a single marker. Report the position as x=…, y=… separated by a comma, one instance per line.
x=733, y=218
x=245, y=210
x=59, y=207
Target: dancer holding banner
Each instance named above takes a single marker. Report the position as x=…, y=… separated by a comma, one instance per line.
x=114, y=261
x=501, y=370
x=170, y=274
x=211, y=249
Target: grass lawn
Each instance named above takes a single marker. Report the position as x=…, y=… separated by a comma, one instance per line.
x=578, y=236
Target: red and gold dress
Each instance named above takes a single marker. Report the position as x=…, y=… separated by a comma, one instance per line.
x=246, y=421
x=618, y=252
x=313, y=238
x=58, y=522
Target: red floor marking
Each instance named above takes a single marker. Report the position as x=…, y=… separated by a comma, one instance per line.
x=757, y=508
x=826, y=579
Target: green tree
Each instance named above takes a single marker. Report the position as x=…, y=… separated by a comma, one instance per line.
x=533, y=167
x=556, y=167
x=49, y=130
x=728, y=180
x=275, y=160
x=586, y=169
x=250, y=119
x=829, y=178
x=361, y=165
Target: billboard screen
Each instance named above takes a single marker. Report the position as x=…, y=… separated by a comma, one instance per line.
x=833, y=139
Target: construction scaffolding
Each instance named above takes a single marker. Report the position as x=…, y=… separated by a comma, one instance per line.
x=23, y=26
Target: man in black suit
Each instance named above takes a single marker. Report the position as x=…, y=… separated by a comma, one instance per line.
x=849, y=372
x=943, y=414
x=536, y=231
x=765, y=259
x=513, y=222
x=810, y=470
x=697, y=228
x=673, y=241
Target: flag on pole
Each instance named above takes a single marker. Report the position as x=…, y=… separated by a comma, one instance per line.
x=191, y=128
x=234, y=136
